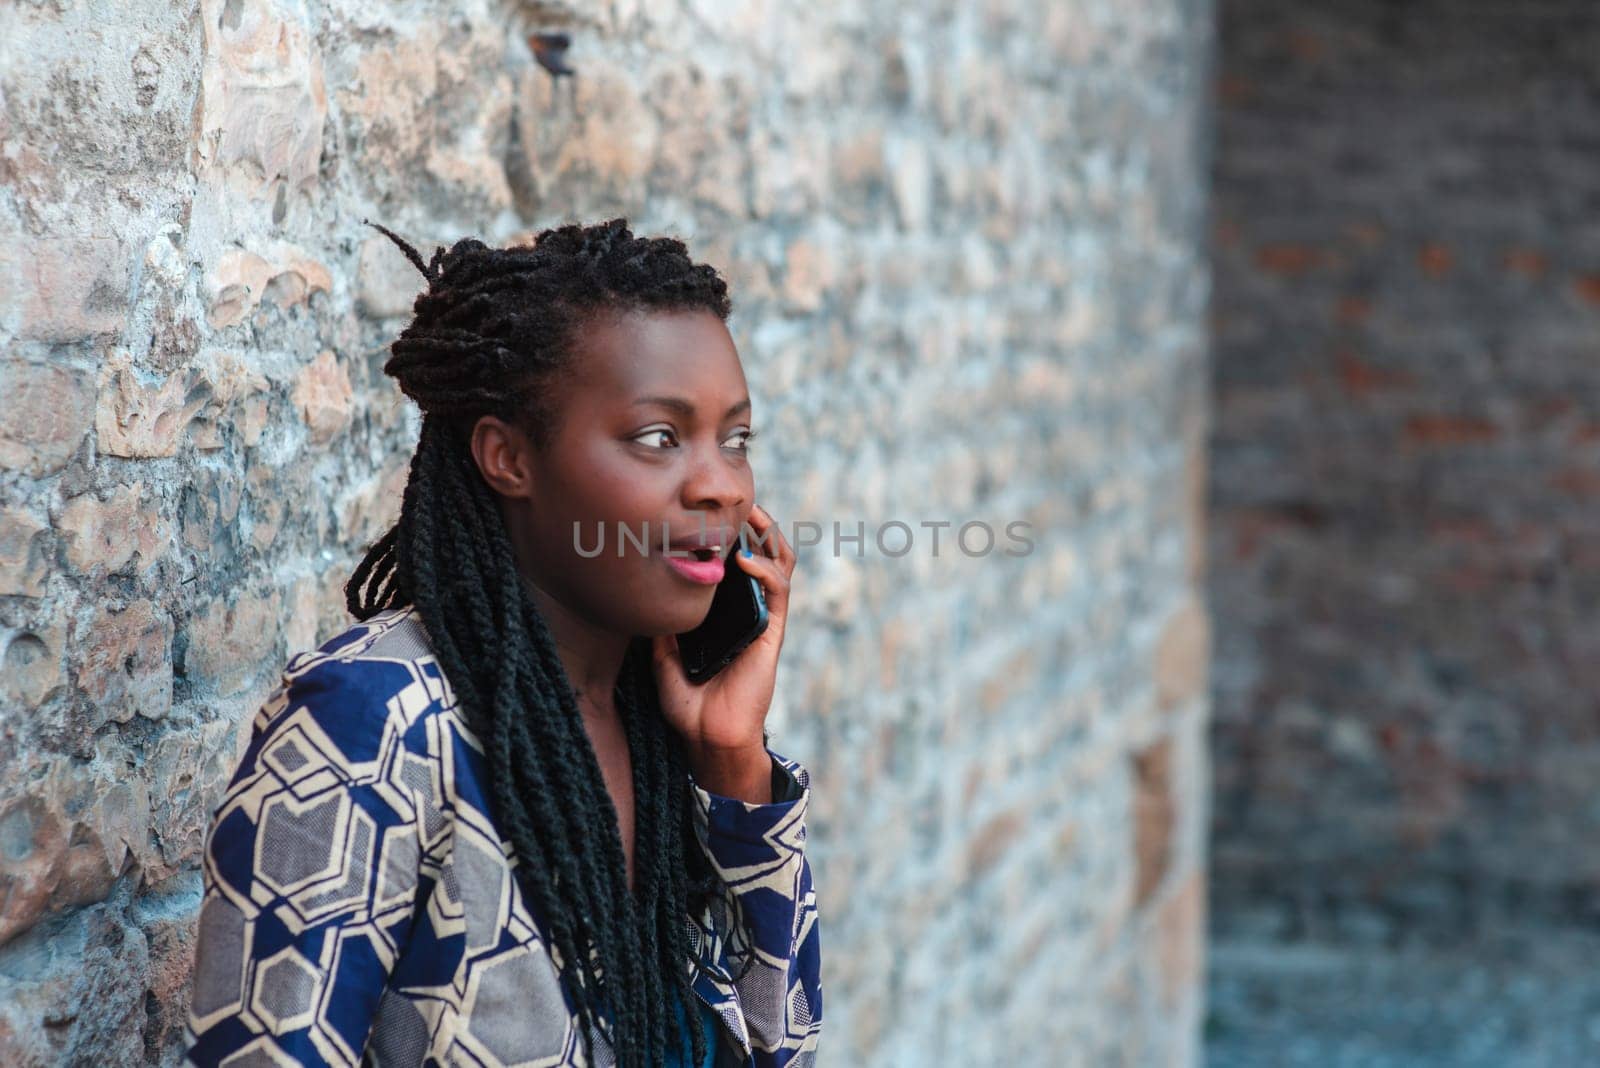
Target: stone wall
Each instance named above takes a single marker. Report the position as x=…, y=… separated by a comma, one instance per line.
x=1406, y=473
x=964, y=248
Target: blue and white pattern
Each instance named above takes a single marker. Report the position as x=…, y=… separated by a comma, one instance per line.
x=360, y=906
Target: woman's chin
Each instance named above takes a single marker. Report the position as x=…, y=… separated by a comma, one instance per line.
x=678, y=621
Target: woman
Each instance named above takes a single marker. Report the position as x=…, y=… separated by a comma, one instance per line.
x=492, y=822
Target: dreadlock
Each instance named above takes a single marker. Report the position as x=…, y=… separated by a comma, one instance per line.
x=491, y=333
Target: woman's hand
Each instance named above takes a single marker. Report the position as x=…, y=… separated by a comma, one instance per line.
x=721, y=720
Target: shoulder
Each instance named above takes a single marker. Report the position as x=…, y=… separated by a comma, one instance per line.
x=362, y=692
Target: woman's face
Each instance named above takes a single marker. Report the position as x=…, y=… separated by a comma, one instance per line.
x=651, y=429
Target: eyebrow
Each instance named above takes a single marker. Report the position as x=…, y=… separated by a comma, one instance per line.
x=683, y=407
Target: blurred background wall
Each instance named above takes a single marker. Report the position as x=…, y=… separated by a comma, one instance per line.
x=1405, y=549
x=965, y=249
x=1406, y=473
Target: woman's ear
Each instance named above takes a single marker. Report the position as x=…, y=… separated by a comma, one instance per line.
x=504, y=455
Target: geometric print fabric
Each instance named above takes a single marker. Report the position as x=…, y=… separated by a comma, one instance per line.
x=360, y=906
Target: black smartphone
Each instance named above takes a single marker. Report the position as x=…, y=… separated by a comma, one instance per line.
x=738, y=616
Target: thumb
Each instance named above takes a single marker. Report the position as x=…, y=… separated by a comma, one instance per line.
x=664, y=650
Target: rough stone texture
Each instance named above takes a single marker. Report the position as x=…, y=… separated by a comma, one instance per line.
x=23, y=568
x=1405, y=559
x=964, y=244
x=47, y=412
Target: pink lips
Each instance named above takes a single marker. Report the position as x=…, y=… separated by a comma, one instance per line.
x=707, y=572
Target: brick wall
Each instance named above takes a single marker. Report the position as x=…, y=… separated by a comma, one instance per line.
x=964, y=247
x=1406, y=472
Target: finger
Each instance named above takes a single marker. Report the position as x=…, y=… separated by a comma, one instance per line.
x=774, y=582
x=777, y=546
x=759, y=523
x=769, y=533
x=783, y=552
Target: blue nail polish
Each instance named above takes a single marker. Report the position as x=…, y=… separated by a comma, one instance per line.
x=747, y=552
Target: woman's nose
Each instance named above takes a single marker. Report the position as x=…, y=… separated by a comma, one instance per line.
x=713, y=479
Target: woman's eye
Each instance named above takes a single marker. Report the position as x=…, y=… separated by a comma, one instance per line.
x=650, y=433
x=739, y=441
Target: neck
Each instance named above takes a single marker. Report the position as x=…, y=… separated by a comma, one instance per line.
x=591, y=656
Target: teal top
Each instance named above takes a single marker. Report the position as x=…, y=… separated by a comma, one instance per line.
x=709, y=1027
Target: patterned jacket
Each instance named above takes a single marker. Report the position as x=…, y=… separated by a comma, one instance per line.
x=360, y=906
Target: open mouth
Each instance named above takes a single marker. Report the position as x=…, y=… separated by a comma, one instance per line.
x=701, y=565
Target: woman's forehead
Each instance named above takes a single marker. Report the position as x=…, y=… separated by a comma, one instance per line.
x=653, y=353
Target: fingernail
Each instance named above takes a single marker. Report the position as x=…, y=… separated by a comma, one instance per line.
x=747, y=552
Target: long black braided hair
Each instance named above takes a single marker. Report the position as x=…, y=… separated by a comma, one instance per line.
x=491, y=334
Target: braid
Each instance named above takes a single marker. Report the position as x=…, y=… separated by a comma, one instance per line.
x=488, y=335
